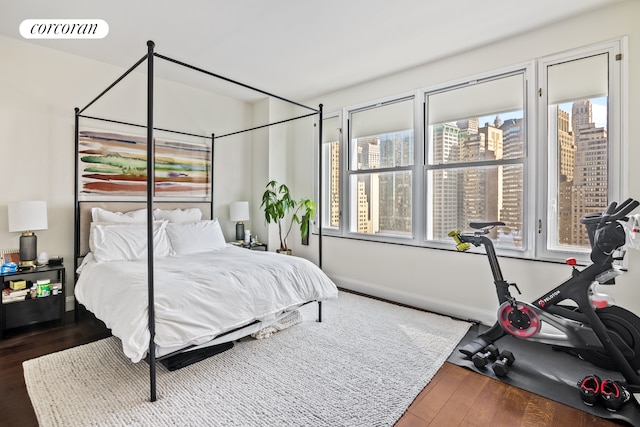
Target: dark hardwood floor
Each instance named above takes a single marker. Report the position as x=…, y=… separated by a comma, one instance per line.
x=455, y=396
x=459, y=397
x=31, y=342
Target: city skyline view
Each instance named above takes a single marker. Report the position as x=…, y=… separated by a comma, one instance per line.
x=462, y=193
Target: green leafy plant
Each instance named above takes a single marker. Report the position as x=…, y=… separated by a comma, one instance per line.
x=278, y=204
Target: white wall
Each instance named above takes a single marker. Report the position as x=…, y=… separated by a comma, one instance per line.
x=461, y=284
x=39, y=90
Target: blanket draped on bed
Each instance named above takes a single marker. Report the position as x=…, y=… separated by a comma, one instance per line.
x=197, y=296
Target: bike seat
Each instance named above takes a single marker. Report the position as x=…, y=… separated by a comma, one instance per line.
x=479, y=225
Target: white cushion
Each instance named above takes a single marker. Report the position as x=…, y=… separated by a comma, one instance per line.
x=127, y=241
x=103, y=215
x=194, y=237
x=178, y=215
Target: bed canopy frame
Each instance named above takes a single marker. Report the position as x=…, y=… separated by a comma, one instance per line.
x=150, y=184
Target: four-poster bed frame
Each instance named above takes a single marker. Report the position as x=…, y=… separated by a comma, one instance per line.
x=150, y=184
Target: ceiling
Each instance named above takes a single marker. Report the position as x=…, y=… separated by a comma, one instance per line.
x=295, y=48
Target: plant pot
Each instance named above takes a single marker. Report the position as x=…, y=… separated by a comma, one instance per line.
x=287, y=252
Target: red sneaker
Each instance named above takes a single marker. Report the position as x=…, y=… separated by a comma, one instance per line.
x=590, y=389
x=614, y=394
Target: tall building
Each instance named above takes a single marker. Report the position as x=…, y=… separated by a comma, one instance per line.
x=511, y=208
x=368, y=157
x=481, y=187
x=334, y=185
x=444, y=204
x=581, y=114
x=566, y=164
x=363, y=223
x=395, y=188
x=590, y=176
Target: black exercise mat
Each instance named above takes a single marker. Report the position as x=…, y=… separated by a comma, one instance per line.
x=552, y=374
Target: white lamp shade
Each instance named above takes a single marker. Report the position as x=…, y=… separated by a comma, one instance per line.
x=27, y=216
x=239, y=211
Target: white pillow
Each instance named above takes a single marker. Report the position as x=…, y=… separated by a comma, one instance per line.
x=193, y=237
x=178, y=215
x=127, y=241
x=103, y=215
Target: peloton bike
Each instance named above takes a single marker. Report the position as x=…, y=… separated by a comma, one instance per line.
x=589, y=327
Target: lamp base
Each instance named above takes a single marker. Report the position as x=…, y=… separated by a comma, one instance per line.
x=240, y=231
x=28, y=249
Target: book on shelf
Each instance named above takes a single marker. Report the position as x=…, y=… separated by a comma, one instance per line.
x=7, y=300
x=12, y=296
x=14, y=293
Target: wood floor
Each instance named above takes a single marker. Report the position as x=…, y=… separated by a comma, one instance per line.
x=455, y=396
x=458, y=397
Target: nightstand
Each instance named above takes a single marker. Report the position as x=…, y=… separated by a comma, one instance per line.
x=30, y=311
x=252, y=246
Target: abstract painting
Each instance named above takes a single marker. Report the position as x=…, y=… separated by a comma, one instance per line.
x=114, y=165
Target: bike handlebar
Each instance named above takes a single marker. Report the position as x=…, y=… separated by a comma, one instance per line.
x=625, y=209
x=614, y=212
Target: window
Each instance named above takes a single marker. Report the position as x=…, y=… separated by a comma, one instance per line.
x=381, y=159
x=476, y=157
x=579, y=101
x=535, y=149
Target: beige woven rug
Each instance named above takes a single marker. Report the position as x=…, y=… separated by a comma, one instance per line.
x=362, y=366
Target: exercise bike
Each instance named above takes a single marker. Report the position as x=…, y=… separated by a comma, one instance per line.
x=591, y=327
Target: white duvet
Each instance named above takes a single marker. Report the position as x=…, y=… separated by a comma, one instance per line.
x=197, y=296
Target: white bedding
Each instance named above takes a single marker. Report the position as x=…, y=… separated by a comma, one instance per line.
x=197, y=296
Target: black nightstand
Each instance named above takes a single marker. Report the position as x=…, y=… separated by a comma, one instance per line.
x=33, y=310
x=252, y=246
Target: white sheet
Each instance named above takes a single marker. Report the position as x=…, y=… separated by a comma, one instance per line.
x=197, y=296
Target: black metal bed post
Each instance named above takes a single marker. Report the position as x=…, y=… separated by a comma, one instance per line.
x=76, y=216
x=213, y=166
x=150, y=188
x=320, y=194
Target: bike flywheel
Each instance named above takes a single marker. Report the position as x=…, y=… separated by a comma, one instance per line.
x=520, y=321
x=624, y=328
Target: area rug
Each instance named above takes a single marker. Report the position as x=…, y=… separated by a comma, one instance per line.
x=361, y=366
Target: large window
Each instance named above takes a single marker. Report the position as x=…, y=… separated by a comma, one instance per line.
x=535, y=149
x=476, y=157
x=581, y=97
x=381, y=159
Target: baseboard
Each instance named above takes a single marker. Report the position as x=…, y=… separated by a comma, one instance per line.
x=69, y=303
x=447, y=308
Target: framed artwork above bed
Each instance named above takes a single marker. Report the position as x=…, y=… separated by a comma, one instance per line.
x=113, y=165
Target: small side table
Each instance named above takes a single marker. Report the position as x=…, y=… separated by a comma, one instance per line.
x=37, y=310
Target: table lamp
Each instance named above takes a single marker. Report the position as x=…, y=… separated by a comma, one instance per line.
x=239, y=211
x=25, y=217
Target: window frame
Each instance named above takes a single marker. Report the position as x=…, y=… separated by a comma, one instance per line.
x=527, y=69
x=346, y=197
x=617, y=138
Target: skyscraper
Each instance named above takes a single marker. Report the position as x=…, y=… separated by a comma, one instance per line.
x=445, y=194
x=567, y=224
x=511, y=207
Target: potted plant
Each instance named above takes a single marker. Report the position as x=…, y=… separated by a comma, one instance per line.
x=278, y=204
